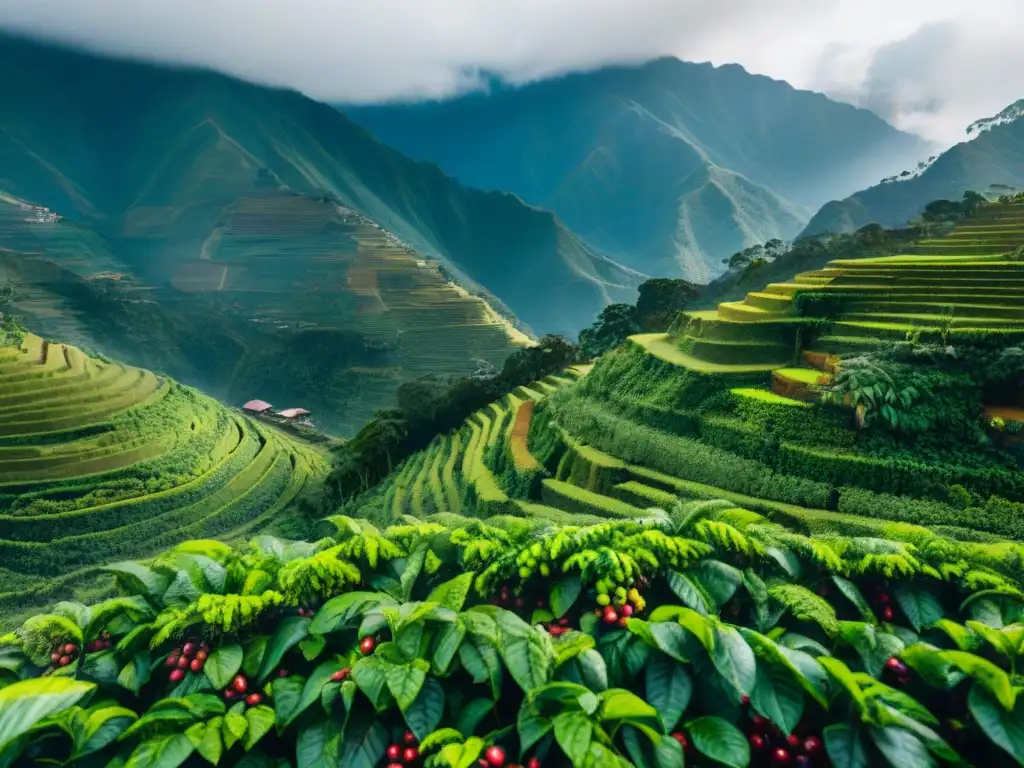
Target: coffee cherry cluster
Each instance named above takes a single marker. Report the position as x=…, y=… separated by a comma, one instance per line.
x=494, y=757
x=101, y=643
x=619, y=604
x=190, y=656
x=341, y=675
x=769, y=747
x=238, y=689
x=64, y=654
x=398, y=755
x=306, y=612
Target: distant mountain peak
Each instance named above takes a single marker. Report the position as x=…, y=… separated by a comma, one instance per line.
x=1010, y=114
x=608, y=150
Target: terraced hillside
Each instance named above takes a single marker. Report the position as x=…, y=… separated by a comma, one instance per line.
x=101, y=462
x=291, y=299
x=726, y=406
x=465, y=472
x=953, y=286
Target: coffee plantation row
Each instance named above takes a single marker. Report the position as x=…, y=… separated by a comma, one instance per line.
x=705, y=633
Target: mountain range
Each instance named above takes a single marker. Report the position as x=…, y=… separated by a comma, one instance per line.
x=667, y=167
x=259, y=243
x=991, y=162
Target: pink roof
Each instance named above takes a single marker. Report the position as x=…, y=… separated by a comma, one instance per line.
x=291, y=413
x=257, y=405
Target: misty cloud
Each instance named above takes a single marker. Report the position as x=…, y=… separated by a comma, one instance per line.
x=928, y=65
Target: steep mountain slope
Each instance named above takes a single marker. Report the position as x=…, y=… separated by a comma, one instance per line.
x=995, y=157
x=234, y=235
x=609, y=151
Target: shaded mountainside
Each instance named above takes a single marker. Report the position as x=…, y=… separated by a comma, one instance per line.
x=993, y=159
x=610, y=152
x=245, y=233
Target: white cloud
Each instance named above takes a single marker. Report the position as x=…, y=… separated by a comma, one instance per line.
x=929, y=65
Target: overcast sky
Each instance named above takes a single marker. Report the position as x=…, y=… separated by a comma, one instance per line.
x=929, y=66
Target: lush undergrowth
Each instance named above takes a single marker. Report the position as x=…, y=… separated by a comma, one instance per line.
x=708, y=635
x=99, y=462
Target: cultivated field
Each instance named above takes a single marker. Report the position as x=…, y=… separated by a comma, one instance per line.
x=102, y=462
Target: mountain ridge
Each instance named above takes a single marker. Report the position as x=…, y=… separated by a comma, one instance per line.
x=993, y=157
x=224, y=203
x=605, y=148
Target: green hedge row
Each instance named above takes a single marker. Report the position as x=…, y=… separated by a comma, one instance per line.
x=681, y=457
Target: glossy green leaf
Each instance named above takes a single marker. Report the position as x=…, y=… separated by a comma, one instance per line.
x=564, y=594
x=235, y=726
x=1004, y=728
x=852, y=593
x=668, y=688
x=287, y=634
x=527, y=655
x=363, y=743
x=593, y=670
x=223, y=664
x=208, y=739
x=573, y=731
x=167, y=751
x=690, y=592
x=25, y=703
x=778, y=696
x=720, y=741
x=370, y=675
x=102, y=727
x=260, y=720
x=901, y=748
x=844, y=746
x=471, y=715
x=734, y=660
x=342, y=610
x=531, y=725
x=425, y=713
x=445, y=646
x=405, y=681
x=452, y=594
x=995, y=680
x=286, y=693
x=318, y=744
x=918, y=603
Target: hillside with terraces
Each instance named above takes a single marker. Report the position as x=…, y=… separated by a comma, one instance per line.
x=741, y=403
x=101, y=462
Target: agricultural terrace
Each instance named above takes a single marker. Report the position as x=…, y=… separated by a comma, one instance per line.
x=759, y=402
x=100, y=462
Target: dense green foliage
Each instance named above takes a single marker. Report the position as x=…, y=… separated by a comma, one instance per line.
x=659, y=303
x=703, y=631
